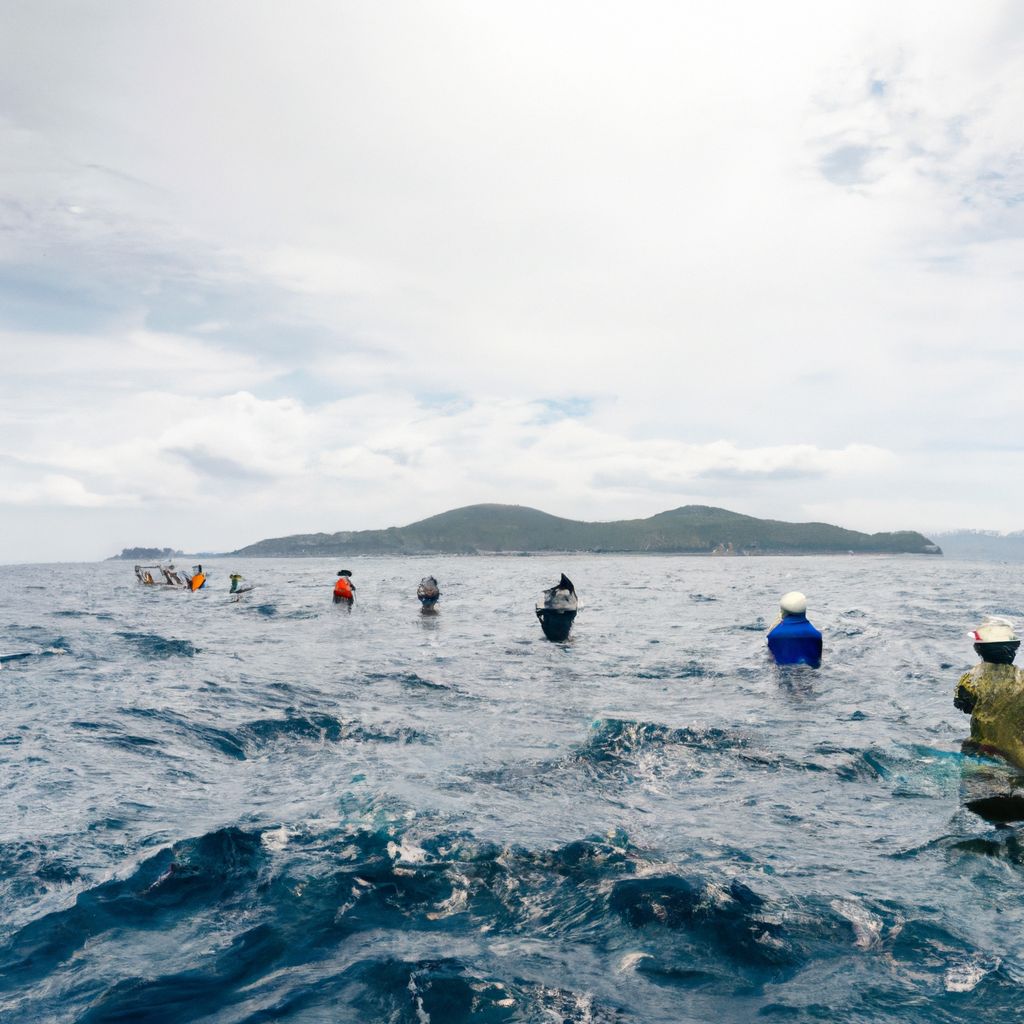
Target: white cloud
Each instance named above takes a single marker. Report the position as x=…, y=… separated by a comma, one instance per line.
x=136, y=359
x=385, y=460
x=57, y=489
x=330, y=255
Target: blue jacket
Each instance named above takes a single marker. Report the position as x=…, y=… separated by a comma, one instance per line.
x=794, y=641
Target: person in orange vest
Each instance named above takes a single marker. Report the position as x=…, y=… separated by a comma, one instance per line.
x=344, y=589
x=198, y=580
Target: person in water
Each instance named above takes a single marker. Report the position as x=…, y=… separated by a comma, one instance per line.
x=344, y=589
x=428, y=592
x=561, y=595
x=197, y=580
x=793, y=640
x=236, y=578
x=556, y=610
x=992, y=693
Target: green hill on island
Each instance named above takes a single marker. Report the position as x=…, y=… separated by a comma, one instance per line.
x=692, y=529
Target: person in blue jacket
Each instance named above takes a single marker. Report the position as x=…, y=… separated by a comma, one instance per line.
x=793, y=640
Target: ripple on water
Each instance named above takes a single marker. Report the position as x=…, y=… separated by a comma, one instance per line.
x=153, y=645
x=274, y=905
x=258, y=737
x=302, y=815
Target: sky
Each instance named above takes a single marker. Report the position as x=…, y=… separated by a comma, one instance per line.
x=277, y=268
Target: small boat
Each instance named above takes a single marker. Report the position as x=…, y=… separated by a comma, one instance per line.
x=428, y=593
x=161, y=576
x=557, y=609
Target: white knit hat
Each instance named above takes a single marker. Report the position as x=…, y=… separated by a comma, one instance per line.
x=793, y=603
x=994, y=630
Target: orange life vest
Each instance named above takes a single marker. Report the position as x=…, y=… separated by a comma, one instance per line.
x=343, y=588
x=198, y=580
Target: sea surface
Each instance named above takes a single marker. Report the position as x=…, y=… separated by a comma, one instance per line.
x=276, y=809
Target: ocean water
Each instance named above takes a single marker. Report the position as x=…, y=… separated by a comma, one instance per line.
x=275, y=809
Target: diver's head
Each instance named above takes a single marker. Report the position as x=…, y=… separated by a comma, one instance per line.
x=995, y=641
x=345, y=573
x=793, y=603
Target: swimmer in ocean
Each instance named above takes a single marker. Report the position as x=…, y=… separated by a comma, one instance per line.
x=344, y=588
x=793, y=640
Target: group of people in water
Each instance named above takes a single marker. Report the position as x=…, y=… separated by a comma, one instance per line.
x=992, y=692
x=556, y=609
x=171, y=577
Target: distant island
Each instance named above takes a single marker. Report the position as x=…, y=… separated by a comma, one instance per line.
x=983, y=545
x=144, y=555
x=511, y=529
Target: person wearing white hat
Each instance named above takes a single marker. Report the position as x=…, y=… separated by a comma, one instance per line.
x=793, y=640
x=992, y=693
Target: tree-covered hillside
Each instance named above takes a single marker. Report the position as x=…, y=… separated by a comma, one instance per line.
x=692, y=529
x=143, y=554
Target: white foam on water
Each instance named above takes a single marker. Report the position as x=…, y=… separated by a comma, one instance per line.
x=456, y=903
x=966, y=976
x=421, y=1015
x=630, y=960
x=276, y=839
x=406, y=852
x=867, y=927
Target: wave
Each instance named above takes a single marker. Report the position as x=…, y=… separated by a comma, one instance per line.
x=378, y=879
x=617, y=745
x=221, y=740
x=253, y=738
x=1004, y=845
x=614, y=738
x=206, y=871
x=443, y=990
x=321, y=728
x=7, y=659
x=758, y=626
x=153, y=645
x=277, y=922
x=909, y=771
x=731, y=918
x=620, y=749
x=407, y=679
x=29, y=869
x=689, y=670
x=448, y=990
x=55, y=648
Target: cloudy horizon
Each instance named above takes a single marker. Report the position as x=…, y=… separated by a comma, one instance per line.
x=270, y=270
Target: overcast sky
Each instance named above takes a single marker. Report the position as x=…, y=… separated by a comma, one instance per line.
x=272, y=268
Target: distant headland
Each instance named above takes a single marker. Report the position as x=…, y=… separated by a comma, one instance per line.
x=145, y=555
x=513, y=529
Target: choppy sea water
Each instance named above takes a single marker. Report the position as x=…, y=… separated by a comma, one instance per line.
x=278, y=810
